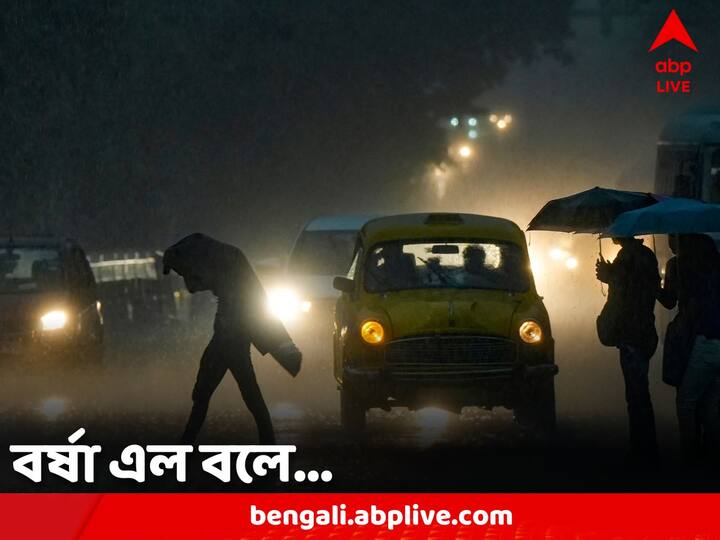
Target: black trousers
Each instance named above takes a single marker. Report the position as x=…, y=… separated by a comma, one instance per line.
x=225, y=353
x=635, y=363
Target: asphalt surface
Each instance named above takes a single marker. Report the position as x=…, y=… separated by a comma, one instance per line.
x=142, y=395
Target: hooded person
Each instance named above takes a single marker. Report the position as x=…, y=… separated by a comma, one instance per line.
x=241, y=319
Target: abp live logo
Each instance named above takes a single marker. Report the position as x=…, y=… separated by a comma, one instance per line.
x=673, y=30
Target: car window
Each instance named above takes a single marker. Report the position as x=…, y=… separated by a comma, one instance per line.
x=327, y=253
x=30, y=269
x=353, y=271
x=394, y=266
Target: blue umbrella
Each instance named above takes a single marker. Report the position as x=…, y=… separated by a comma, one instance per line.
x=671, y=216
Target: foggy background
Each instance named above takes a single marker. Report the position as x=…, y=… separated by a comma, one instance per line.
x=128, y=124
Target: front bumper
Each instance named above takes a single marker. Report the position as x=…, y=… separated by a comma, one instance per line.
x=501, y=386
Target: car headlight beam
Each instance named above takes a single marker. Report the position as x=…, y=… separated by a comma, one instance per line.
x=286, y=305
x=56, y=319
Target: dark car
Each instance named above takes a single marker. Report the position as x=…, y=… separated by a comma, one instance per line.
x=49, y=308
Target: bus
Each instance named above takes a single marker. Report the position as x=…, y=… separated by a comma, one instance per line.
x=688, y=156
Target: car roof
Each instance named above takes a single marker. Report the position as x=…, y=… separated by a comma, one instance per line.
x=351, y=222
x=696, y=126
x=441, y=225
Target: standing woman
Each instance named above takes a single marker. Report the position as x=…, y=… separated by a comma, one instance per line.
x=698, y=396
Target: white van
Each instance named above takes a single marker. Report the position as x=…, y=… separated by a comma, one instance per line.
x=323, y=250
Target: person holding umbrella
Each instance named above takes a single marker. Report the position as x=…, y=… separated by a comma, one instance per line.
x=207, y=264
x=627, y=322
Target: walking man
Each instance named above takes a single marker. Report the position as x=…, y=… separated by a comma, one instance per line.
x=207, y=264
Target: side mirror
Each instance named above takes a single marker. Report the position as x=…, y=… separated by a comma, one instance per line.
x=344, y=284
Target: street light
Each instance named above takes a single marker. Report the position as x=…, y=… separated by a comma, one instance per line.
x=465, y=151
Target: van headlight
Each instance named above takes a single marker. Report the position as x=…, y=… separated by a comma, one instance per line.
x=286, y=305
x=530, y=332
x=54, y=320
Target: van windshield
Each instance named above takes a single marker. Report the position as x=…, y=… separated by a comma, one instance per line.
x=29, y=269
x=394, y=266
x=325, y=253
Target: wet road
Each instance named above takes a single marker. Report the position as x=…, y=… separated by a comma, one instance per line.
x=141, y=395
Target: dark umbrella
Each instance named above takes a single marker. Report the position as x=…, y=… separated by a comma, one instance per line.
x=591, y=211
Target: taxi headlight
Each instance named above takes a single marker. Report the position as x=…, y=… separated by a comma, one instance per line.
x=530, y=332
x=372, y=332
x=54, y=320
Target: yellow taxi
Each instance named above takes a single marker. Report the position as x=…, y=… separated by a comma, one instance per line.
x=441, y=310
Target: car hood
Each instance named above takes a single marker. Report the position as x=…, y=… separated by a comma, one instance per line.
x=485, y=312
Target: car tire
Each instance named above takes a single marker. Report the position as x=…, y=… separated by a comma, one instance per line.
x=537, y=410
x=352, y=411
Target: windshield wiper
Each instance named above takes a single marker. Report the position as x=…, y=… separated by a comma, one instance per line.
x=440, y=272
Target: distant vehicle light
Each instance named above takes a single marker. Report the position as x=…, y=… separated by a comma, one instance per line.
x=571, y=263
x=472, y=121
x=465, y=151
x=473, y=134
x=530, y=332
x=372, y=332
x=54, y=320
x=558, y=254
x=501, y=124
x=454, y=121
x=493, y=118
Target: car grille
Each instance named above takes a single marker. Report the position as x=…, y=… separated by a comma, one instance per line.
x=442, y=357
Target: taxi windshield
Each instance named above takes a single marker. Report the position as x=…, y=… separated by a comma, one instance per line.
x=395, y=266
x=29, y=269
